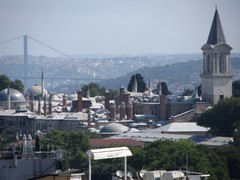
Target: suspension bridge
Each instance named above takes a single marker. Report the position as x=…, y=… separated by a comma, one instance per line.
x=25, y=39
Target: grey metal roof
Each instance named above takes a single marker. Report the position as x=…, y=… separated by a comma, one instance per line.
x=113, y=128
x=183, y=127
x=15, y=95
x=216, y=34
x=148, y=136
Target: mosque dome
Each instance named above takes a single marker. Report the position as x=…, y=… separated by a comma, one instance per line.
x=15, y=95
x=113, y=128
x=36, y=90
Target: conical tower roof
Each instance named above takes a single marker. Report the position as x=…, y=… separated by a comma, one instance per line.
x=216, y=34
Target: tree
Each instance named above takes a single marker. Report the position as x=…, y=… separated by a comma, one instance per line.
x=223, y=119
x=75, y=144
x=141, y=85
x=5, y=82
x=187, y=92
x=170, y=155
x=96, y=90
x=165, y=90
x=236, y=88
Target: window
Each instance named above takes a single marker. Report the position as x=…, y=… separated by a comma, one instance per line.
x=222, y=63
x=221, y=97
x=209, y=64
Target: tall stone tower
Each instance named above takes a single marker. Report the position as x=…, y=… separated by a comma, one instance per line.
x=216, y=74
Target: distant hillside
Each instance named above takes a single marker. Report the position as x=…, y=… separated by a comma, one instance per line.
x=178, y=76
x=178, y=71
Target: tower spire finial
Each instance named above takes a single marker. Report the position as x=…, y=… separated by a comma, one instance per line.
x=216, y=7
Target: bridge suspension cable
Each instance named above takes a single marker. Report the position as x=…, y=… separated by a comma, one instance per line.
x=52, y=48
x=11, y=40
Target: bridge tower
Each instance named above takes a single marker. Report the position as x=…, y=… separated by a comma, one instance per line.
x=25, y=57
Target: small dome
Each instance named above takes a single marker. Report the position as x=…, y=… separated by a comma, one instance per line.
x=36, y=90
x=15, y=95
x=113, y=128
x=73, y=96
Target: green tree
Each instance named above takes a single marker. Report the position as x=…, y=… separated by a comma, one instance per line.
x=75, y=144
x=170, y=155
x=5, y=82
x=223, y=118
x=96, y=90
x=236, y=88
x=187, y=92
x=141, y=85
x=165, y=90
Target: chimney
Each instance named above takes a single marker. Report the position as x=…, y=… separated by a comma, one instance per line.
x=122, y=111
x=50, y=104
x=39, y=104
x=129, y=111
x=45, y=105
x=149, y=123
x=162, y=107
x=32, y=98
x=112, y=112
x=107, y=98
x=8, y=99
x=64, y=100
x=79, y=106
x=121, y=94
x=89, y=118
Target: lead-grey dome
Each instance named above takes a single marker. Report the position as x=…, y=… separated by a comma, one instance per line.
x=15, y=95
x=36, y=90
x=113, y=128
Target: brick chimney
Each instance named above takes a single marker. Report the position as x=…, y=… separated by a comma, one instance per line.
x=45, y=105
x=121, y=95
x=149, y=123
x=39, y=105
x=50, y=104
x=122, y=111
x=162, y=107
x=107, y=98
x=64, y=100
x=129, y=111
x=79, y=106
x=31, y=103
x=113, y=111
x=89, y=118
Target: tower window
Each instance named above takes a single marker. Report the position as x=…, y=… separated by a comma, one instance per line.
x=221, y=64
x=209, y=64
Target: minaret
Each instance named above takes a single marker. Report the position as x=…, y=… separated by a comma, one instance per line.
x=216, y=74
x=42, y=84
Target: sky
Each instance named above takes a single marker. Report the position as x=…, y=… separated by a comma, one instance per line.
x=115, y=27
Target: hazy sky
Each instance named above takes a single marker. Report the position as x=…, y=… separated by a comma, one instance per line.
x=115, y=26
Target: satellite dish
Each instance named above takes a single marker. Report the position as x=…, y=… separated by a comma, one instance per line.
x=129, y=174
x=58, y=171
x=120, y=173
x=141, y=173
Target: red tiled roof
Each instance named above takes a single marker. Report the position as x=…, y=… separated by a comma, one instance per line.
x=109, y=142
